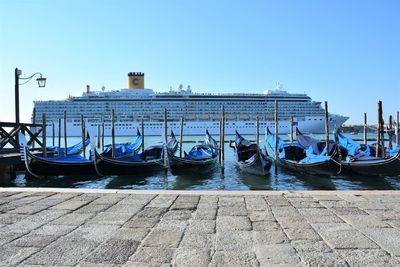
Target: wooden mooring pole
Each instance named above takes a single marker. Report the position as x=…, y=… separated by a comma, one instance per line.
x=365, y=129
x=34, y=122
x=44, y=137
x=223, y=138
x=98, y=136
x=83, y=135
x=257, y=130
x=378, y=129
x=59, y=136
x=181, y=139
x=291, y=128
x=102, y=136
x=390, y=132
x=65, y=133
x=276, y=132
x=142, y=125
x=326, y=128
x=397, y=129
x=113, y=133
x=53, y=132
x=165, y=140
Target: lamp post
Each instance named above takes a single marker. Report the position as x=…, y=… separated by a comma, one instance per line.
x=41, y=82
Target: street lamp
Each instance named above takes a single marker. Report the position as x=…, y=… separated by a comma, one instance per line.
x=41, y=83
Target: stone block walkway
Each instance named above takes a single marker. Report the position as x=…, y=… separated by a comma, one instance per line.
x=42, y=227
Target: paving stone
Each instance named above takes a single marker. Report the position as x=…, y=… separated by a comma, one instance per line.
x=198, y=241
x=205, y=214
x=306, y=204
x=11, y=256
x=229, y=201
x=276, y=236
x=256, y=216
x=308, y=212
x=265, y=226
x=163, y=238
x=387, y=238
x=137, y=199
x=364, y=221
x=70, y=205
x=301, y=232
x=108, y=199
x=324, y=219
x=202, y=226
x=110, y=218
x=149, y=212
x=310, y=246
x=349, y=211
x=10, y=218
x=142, y=222
x=145, y=264
x=92, y=208
x=7, y=236
x=285, y=211
x=29, y=209
x=327, y=197
x=151, y=255
x=63, y=252
x=385, y=215
x=191, y=257
x=232, y=211
x=173, y=225
x=122, y=208
x=113, y=251
x=208, y=199
x=97, y=233
x=184, y=206
x=353, y=198
x=276, y=254
x=322, y=259
x=34, y=240
x=255, y=203
x=57, y=230
x=177, y=215
x=73, y=218
x=348, y=239
x=234, y=258
x=225, y=223
x=233, y=240
x=134, y=234
x=162, y=201
x=48, y=202
x=369, y=257
x=338, y=204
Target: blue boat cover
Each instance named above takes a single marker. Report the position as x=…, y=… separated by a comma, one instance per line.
x=394, y=151
x=74, y=158
x=125, y=149
x=353, y=148
x=72, y=150
x=207, y=150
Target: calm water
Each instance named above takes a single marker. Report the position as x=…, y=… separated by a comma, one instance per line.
x=232, y=179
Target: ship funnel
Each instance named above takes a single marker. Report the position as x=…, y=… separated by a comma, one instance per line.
x=136, y=80
x=87, y=88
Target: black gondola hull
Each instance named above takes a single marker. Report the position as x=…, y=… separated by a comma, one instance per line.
x=181, y=166
x=109, y=166
x=326, y=168
x=380, y=167
x=259, y=166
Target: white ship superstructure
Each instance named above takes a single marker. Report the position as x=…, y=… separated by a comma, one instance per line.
x=200, y=111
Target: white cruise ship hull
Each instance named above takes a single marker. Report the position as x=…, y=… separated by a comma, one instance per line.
x=308, y=125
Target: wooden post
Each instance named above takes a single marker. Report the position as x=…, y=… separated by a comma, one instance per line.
x=83, y=136
x=397, y=129
x=44, y=134
x=98, y=135
x=165, y=140
x=390, y=132
x=220, y=137
x=326, y=128
x=102, y=136
x=378, y=130
x=291, y=128
x=65, y=133
x=142, y=124
x=382, y=133
x=365, y=129
x=223, y=139
x=181, y=139
x=59, y=136
x=113, y=133
x=53, y=132
x=257, y=130
x=276, y=131
x=34, y=122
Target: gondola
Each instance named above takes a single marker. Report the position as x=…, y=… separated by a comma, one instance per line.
x=249, y=157
x=39, y=166
x=150, y=160
x=311, y=160
x=124, y=149
x=72, y=150
x=200, y=159
x=360, y=159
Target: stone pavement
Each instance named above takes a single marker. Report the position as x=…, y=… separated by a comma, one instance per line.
x=52, y=227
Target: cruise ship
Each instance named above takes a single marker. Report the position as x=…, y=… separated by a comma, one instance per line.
x=199, y=111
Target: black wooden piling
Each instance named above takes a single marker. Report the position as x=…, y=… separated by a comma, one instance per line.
x=34, y=122
x=113, y=133
x=65, y=134
x=390, y=132
x=44, y=137
x=83, y=135
x=102, y=136
x=326, y=128
x=181, y=138
x=276, y=131
x=59, y=136
x=142, y=125
x=291, y=128
x=257, y=130
x=365, y=129
x=98, y=136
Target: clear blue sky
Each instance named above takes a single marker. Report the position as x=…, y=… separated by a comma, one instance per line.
x=345, y=52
